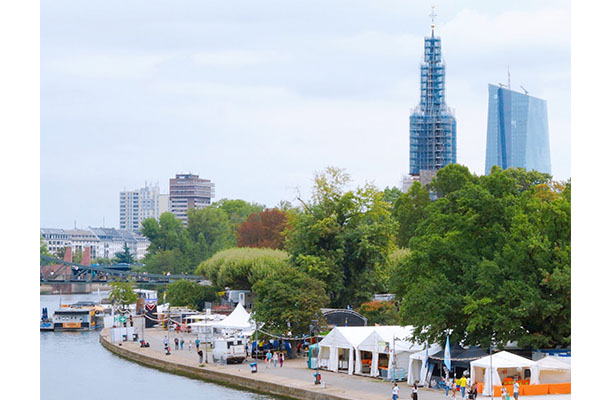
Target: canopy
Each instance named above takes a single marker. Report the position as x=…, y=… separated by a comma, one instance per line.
x=460, y=357
x=552, y=370
x=417, y=364
x=238, y=319
x=342, y=337
x=480, y=369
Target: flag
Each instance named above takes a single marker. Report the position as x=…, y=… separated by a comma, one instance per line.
x=447, y=359
x=426, y=363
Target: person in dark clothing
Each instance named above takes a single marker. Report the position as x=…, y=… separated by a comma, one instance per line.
x=200, y=352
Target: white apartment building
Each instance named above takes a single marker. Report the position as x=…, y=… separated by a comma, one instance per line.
x=82, y=238
x=137, y=205
x=55, y=239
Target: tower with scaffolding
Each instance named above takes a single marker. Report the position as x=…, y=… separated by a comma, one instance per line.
x=432, y=122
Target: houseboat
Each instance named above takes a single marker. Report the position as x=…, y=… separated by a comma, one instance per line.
x=80, y=316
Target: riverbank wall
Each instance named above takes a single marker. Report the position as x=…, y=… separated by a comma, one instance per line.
x=210, y=373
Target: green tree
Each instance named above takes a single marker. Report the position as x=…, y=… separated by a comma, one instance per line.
x=43, y=248
x=241, y=268
x=184, y=293
x=124, y=257
x=208, y=231
x=287, y=301
x=164, y=261
x=490, y=260
x=237, y=211
x=122, y=294
x=391, y=195
x=341, y=237
x=409, y=210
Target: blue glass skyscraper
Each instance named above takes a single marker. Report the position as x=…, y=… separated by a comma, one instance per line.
x=432, y=124
x=517, y=131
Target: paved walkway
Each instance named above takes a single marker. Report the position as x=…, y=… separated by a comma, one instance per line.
x=295, y=373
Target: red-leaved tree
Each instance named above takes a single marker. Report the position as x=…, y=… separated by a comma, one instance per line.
x=263, y=229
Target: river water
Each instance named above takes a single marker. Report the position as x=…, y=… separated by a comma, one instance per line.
x=74, y=365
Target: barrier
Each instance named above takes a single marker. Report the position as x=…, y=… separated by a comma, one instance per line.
x=560, y=388
x=532, y=390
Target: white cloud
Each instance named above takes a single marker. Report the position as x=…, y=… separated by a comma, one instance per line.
x=109, y=65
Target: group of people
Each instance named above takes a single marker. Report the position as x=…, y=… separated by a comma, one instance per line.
x=274, y=357
x=396, y=391
x=462, y=385
x=506, y=396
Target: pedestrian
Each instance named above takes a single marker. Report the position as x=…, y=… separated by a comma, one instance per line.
x=448, y=381
x=181, y=343
x=197, y=343
x=165, y=342
x=275, y=359
x=476, y=390
x=200, y=356
x=516, y=390
x=395, y=391
x=453, y=389
x=176, y=343
x=471, y=391
x=414, y=391
x=167, y=352
x=281, y=360
x=503, y=394
x=190, y=344
x=463, y=384
x=268, y=358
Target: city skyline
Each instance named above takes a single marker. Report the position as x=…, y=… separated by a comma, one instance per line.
x=272, y=94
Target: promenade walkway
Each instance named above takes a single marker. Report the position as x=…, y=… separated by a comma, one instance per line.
x=293, y=374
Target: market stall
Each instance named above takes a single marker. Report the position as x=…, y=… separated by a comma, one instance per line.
x=501, y=368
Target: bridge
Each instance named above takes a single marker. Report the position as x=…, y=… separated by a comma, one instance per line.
x=56, y=271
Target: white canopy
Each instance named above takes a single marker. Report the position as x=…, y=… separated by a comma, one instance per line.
x=417, y=364
x=342, y=337
x=511, y=363
x=238, y=319
x=552, y=370
x=389, y=340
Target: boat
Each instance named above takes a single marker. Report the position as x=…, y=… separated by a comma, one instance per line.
x=46, y=323
x=80, y=316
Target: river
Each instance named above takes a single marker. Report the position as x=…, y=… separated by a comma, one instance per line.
x=74, y=365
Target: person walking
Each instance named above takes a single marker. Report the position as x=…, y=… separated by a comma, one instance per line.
x=448, y=382
x=190, y=344
x=503, y=394
x=197, y=341
x=181, y=343
x=281, y=360
x=200, y=352
x=275, y=359
x=414, y=391
x=395, y=391
x=516, y=390
x=176, y=343
x=268, y=358
x=453, y=389
x=463, y=384
x=165, y=342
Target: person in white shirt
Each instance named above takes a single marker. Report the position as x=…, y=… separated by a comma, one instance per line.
x=395, y=391
x=516, y=390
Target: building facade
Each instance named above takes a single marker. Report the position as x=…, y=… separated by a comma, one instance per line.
x=432, y=122
x=55, y=239
x=83, y=238
x=517, y=131
x=138, y=205
x=188, y=191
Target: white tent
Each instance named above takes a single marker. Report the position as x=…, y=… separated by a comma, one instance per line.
x=417, y=364
x=509, y=364
x=553, y=370
x=337, y=348
x=239, y=319
x=391, y=341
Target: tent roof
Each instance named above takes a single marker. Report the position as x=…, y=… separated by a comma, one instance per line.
x=397, y=336
x=238, y=319
x=421, y=355
x=552, y=364
x=503, y=359
x=346, y=336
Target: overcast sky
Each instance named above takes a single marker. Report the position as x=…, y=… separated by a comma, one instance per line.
x=258, y=95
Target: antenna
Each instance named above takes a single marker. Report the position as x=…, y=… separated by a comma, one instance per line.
x=526, y=92
x=501, y=85
x=432, y=15
x=508, y=69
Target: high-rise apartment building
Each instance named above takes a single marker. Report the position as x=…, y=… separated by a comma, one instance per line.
x=188, y=191
x=432, y=123
x=517, y=131
x=138, y=205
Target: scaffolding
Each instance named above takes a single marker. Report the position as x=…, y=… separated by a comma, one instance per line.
x=432, y=123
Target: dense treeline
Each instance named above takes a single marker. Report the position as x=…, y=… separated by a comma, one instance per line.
x=481, y=257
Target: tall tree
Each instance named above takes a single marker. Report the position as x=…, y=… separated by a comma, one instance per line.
x=341, y=237
x=122, y=294
x=125, y=256
x=490, y=261
x=184, y=293
x=409, y=210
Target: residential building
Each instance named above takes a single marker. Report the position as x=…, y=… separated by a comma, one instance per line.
x=517, y=131
x=432, y=122
x=83, y=238
x=55, y=239
x=188, y=191
x=163, y=203
x=138, y=205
